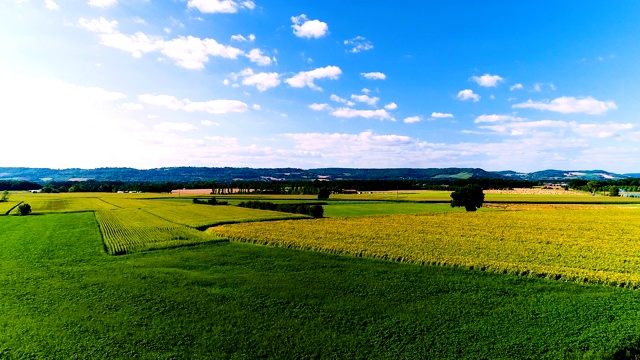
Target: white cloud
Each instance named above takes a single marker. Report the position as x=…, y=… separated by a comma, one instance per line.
x=439, y=115
x=305, y=28
x=412, y=119
x=338, y=99
x=131, y=106
x=365, y=91
x=100, y=25
x=374, y=75
x=212, y=106
x=171, y=126
x=216, y=106
x=255, y=56
x=366, y=99
x=209, y=123
x=467, y=94
x=219, y=6
x=139, y=20
x=358, y=44
x=600, y=131
x=102, y=3
x=239, y=37
x=256, y=107
x=262, y=81
x=380, y=114
x=516, y=87
x=391, y=106
x=319, y=107
x=167, y=101
x=306, y=78
x=51, y=5
x=567, y=105
x=495, y=118
x=192, y=52
x=538, y=87
x=487, y=80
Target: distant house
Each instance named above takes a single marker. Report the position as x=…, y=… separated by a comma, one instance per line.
x=349, y=191
x=35, y=191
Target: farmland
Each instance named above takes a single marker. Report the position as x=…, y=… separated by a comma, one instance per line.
x=460, y=285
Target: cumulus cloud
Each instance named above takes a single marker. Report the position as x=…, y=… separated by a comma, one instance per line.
x=487, y=80
x=338, y=99
x=307, y=78
x=374, y=76
x=171, y=127
x=262, y=81
x=102, y=3
x=601, y=131
x=241, y=38
x=188, y=52
x=439, y=115
x=568, y=105
x=516, y=87
x=391, y=106
x=131, y=106
x=219, y=6
x=51, y=5
x=380, y=114
x=412, y=119
x=100, y=25
x=358, y=44
x=305, y=28
x=319, y=107
x=495, y=118
x=366, y=99
x=467, y=94
x=255, y=56
x=212, y=106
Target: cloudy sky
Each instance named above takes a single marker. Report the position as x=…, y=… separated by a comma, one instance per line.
x=279, y=83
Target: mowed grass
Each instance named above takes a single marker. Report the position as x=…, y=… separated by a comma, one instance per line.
x=591, y=245
x=63, y=297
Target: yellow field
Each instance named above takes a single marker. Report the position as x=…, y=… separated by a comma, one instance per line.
x=6, y=206
x=583, y=245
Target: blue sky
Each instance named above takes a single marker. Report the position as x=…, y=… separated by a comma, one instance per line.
x=495, y=84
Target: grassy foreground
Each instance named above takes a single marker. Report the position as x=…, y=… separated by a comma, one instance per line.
x=63, y=297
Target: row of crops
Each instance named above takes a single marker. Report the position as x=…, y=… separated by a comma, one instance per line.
x=584, y=245
x=129, y=230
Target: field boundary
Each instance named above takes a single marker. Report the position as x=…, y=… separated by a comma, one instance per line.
x=10, y=210
x=231, y=222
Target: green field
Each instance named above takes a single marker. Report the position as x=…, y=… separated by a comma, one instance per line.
x=63, y=296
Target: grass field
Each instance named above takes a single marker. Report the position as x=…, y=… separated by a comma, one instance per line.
x=64, y=297
x=335, y=210
x=592, y=245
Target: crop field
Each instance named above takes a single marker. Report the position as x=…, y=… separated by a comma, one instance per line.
x=52, y=204
x=130, y=230
x=6, y=206
x=206, y=215
x=346, y=209
x=590, y=245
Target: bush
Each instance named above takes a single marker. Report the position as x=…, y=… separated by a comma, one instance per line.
x=211, y=201
x=24, y=209
x=316, y=211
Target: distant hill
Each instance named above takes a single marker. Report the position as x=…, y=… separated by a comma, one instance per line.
x=227, y=174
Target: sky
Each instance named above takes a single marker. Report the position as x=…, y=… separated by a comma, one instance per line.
x=498, y=85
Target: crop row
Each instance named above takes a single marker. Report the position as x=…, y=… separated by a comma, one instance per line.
x=591, y=245
x=129, y=230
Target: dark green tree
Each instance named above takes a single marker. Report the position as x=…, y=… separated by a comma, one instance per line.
x=5, y=196
x=614, y=191
x=324, y=194
x=470, y=197
x=24, y=209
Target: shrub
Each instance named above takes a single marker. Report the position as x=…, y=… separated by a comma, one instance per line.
x=324, y=194
x=24, y=209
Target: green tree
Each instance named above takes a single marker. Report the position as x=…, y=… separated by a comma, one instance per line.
x=614, y=191
x=5, y=196
x=593, y=187
x=324, y=194
x=24, y=209
x=470, y=197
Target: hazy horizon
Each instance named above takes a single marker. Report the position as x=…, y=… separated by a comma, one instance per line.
x=241, y=83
